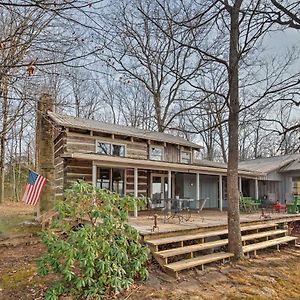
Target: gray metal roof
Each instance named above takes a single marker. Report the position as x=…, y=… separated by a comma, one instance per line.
x=209, y=163
x=221, y=165
x=270, y=164
x=74, y=122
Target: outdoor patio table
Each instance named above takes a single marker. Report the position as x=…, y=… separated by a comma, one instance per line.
x=178, y=208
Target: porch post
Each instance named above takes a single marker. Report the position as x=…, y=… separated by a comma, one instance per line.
x=94, y=174
x=240, y=185
x=220, y=193
x=197, y=191
x=256, y=188
x=135, y=190
x=169, y=184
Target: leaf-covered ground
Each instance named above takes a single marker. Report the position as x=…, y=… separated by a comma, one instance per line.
x=272, y=275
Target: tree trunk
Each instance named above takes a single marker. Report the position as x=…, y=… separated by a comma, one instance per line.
x=234, y=230
x=3, y=93
x=157, y=106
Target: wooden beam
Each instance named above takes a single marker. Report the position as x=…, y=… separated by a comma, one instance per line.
x=94, y=176
x=197, y=190
x=220, y=192
x=135, y=190
x=169, y=184
x=256, y=188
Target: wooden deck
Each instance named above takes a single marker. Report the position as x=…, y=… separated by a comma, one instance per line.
x=203, y=239
x=201, y=222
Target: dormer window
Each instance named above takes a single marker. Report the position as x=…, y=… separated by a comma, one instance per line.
x=156, y=153
x=111, y=149
x=186, y=157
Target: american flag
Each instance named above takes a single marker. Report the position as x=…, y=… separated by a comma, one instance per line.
x=34, y=188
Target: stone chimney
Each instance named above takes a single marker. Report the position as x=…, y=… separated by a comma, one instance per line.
x=45, y=151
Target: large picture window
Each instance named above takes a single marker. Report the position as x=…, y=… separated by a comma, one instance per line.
x=156, y=153
x=110, y=149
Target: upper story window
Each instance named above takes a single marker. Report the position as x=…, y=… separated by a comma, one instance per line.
x=118, y=150
x=186, y=157
x=156, y=153
x=104, y=148
x=111, y=149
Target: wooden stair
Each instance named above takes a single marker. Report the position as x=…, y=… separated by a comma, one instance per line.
x=154, y=244
x=186, y=251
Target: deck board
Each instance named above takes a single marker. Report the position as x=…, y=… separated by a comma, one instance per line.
x=182, y=238
x=198, y=261
x=214, y=244
x=269, y=243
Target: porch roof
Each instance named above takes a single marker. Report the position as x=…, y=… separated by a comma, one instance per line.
x=116, y=161
x=267, y=165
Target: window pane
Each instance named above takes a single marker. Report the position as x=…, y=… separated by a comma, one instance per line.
x=103, y=178
x=118, y=150
x=118, y=181
x=296, y=186
x=156, y=153
x=104, y=148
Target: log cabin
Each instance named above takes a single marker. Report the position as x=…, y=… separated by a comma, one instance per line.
x=129, y=160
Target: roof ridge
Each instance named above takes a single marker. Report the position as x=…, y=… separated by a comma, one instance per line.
x=66, y=120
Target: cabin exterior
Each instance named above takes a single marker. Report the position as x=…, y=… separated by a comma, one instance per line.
x=281, y=179
x=133, y=161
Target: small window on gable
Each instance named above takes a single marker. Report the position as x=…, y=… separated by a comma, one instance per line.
x=156, y=153
x=186, y=157
x=104, y=148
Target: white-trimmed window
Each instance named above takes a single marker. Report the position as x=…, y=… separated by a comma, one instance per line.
x=104, y=148
x=186, y=157
x=111, y=149
x=118, y=150
x=156, y=153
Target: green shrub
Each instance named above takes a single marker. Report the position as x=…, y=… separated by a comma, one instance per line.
x=100, y=258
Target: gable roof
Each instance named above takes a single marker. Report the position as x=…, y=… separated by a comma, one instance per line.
x=270, y=164
x=80, y=123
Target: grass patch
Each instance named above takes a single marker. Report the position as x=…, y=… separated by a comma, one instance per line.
x=16, y=279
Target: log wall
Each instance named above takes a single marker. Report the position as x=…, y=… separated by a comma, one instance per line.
x=143, y=182
x=135, y=148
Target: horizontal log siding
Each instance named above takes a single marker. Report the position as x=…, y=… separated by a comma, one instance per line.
x=77, y=169
x=143, y=182
x=59, y=177
x=84, y=143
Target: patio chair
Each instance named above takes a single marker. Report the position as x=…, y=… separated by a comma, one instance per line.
x=293, y=207
x=247, y=205
x=202, y=203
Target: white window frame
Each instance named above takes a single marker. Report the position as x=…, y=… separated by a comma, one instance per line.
x=118, y=144
x=111, y=147
x=191, y=154
x=162, y=152
x=102, y=142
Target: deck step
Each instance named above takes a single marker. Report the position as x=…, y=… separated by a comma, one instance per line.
x=182, y=238
x=259, y=235
x=269, y=243
x=214, y=244
x=197, y=261
x=191, y=248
